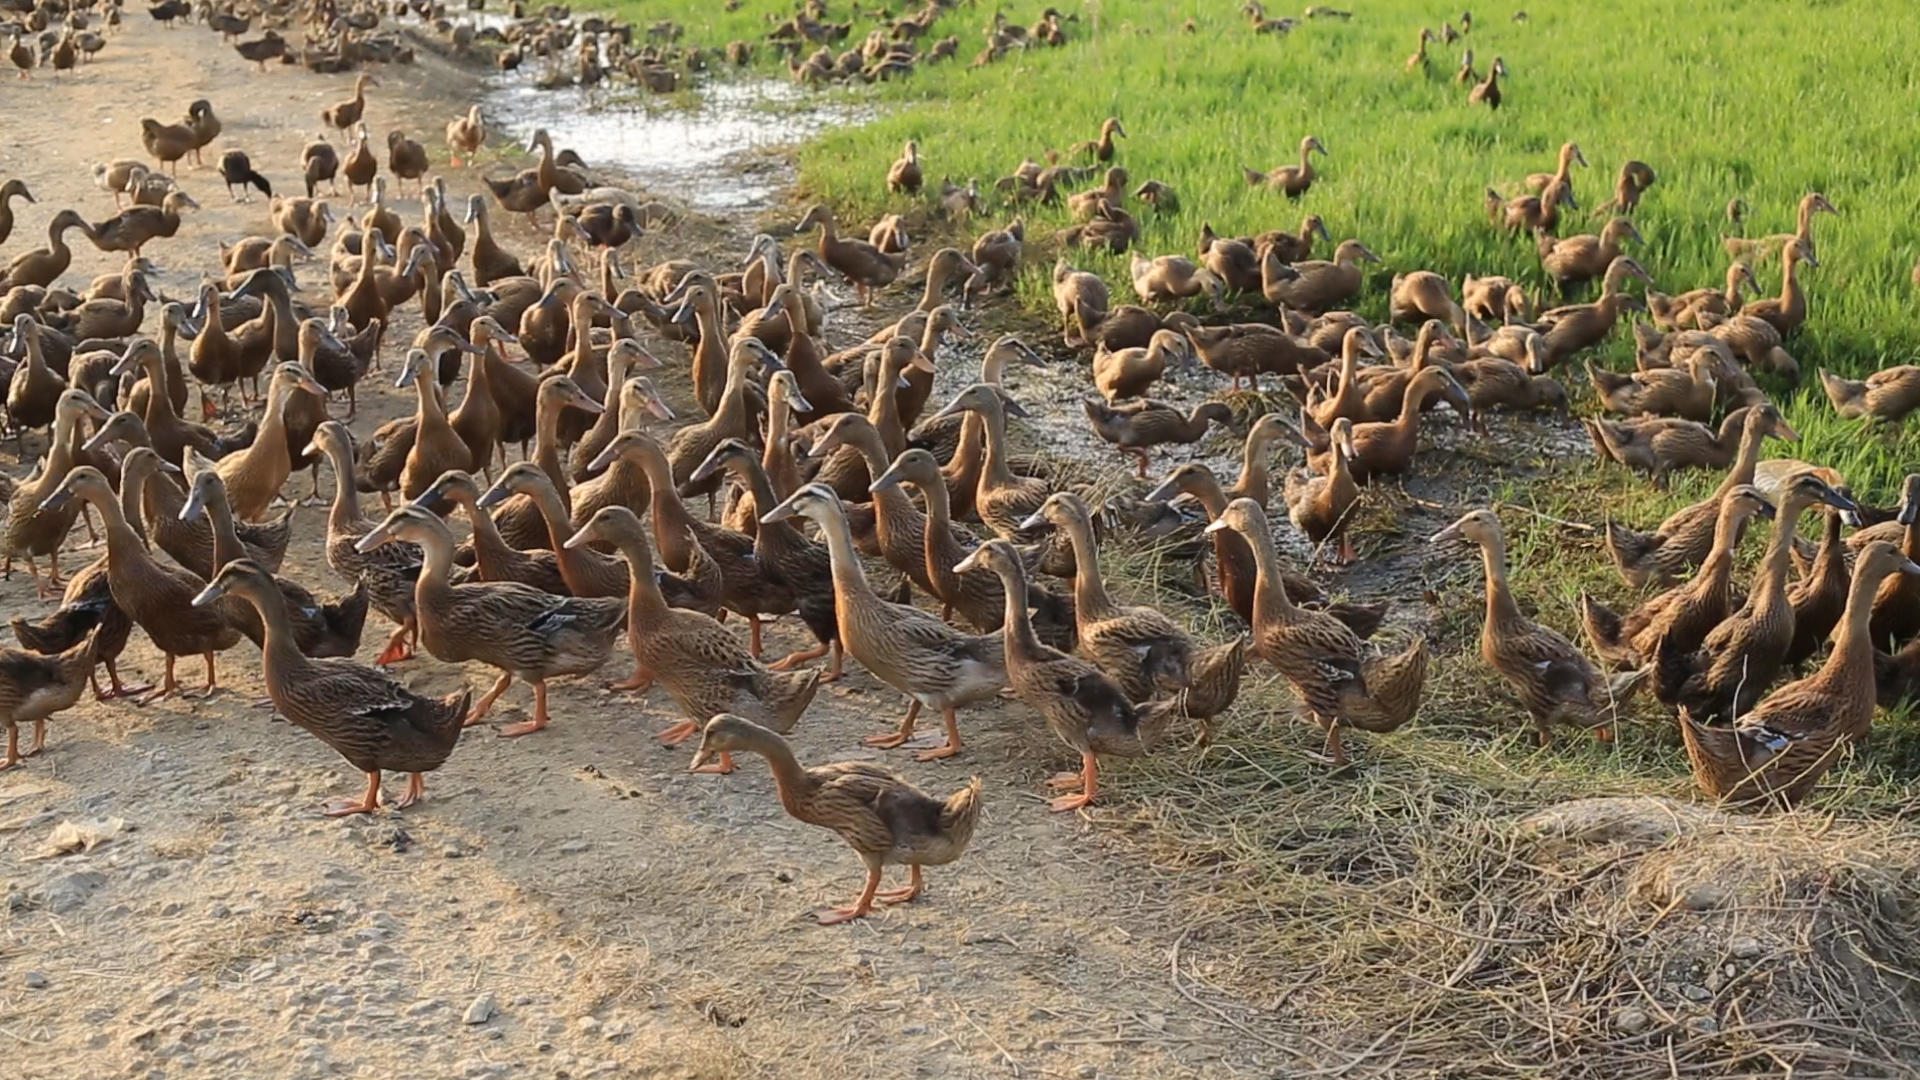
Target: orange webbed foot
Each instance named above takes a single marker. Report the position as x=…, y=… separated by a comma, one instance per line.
x=837, y=915
x=885, y=741
x=945, y=750
x=524, y=727
x=1069, y=802
x=1066, y=781
x=678, y=733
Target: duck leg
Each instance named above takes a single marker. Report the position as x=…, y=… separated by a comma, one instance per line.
x=397, y=648
x=486, y=701
x=799, y=656
x=13, y=748
x=1089, y=785
x=540, y=717
x=368, y=803
x=893, y=739
x=39, y=737
x=861, y=907
x=1140, y=458
x=416, y=791
x=678, y=733
x=213, y=679
x=900, y=896
x=952, y=746
x=754, y=644
x=169, y=686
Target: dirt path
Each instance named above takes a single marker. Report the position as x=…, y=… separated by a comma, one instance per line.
x=568, y=905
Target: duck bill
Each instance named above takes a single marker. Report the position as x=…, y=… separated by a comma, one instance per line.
x=208, y=595
x=701, y=757
x=585, y=536
x=971, y=562
x=1168, y=489
x=605, y=457
x=60, y=498
x=493, y=496
x=1782, y=431
x=1451, y=532
x=1033, y=521
x=196, y=505
x=381, y=534
x=1216, y=525
x=886, y=481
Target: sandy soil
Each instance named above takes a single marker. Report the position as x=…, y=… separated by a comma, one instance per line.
x=571, y=904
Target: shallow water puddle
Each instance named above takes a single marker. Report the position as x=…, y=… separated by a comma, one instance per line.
x=710, y=148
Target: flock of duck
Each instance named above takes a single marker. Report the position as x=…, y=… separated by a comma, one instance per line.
x=835, y=488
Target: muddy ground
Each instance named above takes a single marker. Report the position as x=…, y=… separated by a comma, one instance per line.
x=566, y=905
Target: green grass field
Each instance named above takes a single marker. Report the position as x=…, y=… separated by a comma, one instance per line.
x=1725, y=99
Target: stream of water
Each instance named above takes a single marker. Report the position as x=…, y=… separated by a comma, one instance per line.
x=713, y=148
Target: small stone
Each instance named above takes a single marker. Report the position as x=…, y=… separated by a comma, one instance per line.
x=481, y=1010
x=449, y=852
x=523, y=1000
x=1744, y=948
x=1704, y=897
x=1705, y=1025
x=573, y=847
x=1696, y=992
x=1086, y=1072
x=914, y=1029
x=1631, y=1021
x=68, y=891
x=587, y=1025
x=220, y=911
x=36, y=980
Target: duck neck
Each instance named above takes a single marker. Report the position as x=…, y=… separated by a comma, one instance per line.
x=1732, y=293
x=479, y=385
x=486, y=535
x=1803, y=221
x=1770, y=584
x=1501, y=608
x=546, y=440
x=436, y=562
x=1270, y=600
x=226, y=541
x=646, y=607
x=66, y=437
x=1255, y=478
x=1021, y=640
x=123, y=540
x=1850, y=665
x=849, y=579
x=345, y=513
x=997, y=471
x=1751, y=437
x=431, y=411
x=1790, y=281
x=670, y=517
x=1089, y=588
x=554, y=513
x=280, y=656
x=883, y=412
x=790, y=778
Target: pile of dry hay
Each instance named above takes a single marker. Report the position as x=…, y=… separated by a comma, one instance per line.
x=1444, y=929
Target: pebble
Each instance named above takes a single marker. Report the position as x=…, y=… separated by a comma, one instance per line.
x=1631, y=1021
x=68, y=891
x=587, y=1024
x=1744, y=948
x=481, y=1010
x=36, y=980
x=1696, y=992
x=573, y=847
x=1086, y=1072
